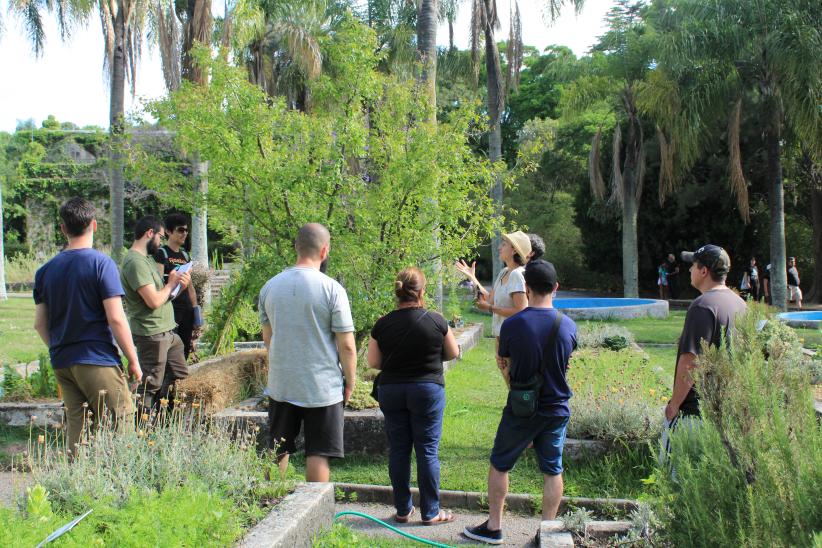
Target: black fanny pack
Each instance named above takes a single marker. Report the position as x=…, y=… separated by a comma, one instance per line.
x=524, y=396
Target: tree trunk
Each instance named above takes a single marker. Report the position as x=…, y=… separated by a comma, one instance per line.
x=495, y=107
x=116, y=129
x=779, y=275
x=816, y=209
x=630, y=250
x=427, y=49
x=199, y=220
x=3, y=295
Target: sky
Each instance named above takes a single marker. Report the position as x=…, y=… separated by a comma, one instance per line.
x=67, y=81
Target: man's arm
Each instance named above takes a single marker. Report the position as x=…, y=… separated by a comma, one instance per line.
x=683, y=382
x=347, y=350
x=154, y=299
x=41, y=322
x=192, y=294
x=267, y=335
x=116, y=317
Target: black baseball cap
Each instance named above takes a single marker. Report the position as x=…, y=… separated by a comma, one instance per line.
x=710, y=256
x=540, y=276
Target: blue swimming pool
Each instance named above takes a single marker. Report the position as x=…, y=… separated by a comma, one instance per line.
x=586, y=308
x=811, y=319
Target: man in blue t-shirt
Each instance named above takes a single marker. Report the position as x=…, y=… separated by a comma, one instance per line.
x=79, y=313
x=526, y=339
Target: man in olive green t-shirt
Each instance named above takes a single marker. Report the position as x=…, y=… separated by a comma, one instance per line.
x=151, y=314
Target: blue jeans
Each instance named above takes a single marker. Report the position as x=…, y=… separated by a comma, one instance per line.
x=413, y=417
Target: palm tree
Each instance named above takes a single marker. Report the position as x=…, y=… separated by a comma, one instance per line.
x=122, y=23
x=484, y=23
x=427, y=20
x=616, y=79
x=762, y=56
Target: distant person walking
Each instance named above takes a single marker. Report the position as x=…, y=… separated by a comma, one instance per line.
x=151, y=315
x=766, y=283
x=753, y=280
x=309, y=333
x=662, y=280
x=170, y=256
x=79, y=314
x=794, y=293
x=710, y=318
x=672, y=268
x=535, y=346
x=408, y=346
x=508, y=294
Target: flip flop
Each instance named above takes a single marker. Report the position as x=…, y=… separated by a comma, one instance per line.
x=445, y=516
x=404, y=519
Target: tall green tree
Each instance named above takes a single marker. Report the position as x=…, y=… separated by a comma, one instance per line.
x=736, y=56
x=617, y=81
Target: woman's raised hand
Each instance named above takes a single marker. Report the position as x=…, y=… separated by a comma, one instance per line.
x=468, y=271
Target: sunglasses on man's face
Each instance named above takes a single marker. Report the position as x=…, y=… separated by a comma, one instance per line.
x=181, y=230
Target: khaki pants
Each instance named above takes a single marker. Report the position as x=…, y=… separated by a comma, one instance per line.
x=103, y=389
x=163, y=361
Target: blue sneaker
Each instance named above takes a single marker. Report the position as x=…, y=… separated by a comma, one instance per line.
x=483, y=534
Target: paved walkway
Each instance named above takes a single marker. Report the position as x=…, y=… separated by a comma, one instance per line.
x=519, y=530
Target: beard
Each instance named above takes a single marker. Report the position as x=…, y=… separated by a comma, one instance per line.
x=324, y=266
x=152, y=247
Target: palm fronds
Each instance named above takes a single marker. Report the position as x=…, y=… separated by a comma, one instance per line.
x=739, y=186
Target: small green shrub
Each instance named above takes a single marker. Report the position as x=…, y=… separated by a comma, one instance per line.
x=604, y=335
x=40, y=384
x=614, y=418
x=15, y=387
x=186, y=515
x=750, y=474
x=161, y=453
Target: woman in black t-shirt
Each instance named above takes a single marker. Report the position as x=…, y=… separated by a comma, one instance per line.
x=408, y=346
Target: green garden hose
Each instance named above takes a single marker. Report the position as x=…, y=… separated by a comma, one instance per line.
x=391, y=527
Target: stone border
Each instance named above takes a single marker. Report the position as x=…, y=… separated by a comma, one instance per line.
x=552, y=533
x=296, y=520
x=655, y=309
x=470, y=500
x=48, y=414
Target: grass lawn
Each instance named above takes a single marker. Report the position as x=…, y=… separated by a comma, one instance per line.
x=475, y=397
x=18, y=340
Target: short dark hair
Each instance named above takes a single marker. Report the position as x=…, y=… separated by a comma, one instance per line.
x=540, y=276
x=149, y=222
x=409, y=287
x=173, y=220
x=537, y=246
x=718, y=277
x=77, y=214
x=310, y=239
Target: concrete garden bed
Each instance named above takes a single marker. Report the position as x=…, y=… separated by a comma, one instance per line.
x=364, y=429
x=552, y=533
x=296, y=520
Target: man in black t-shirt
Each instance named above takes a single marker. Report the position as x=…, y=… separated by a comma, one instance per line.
x=168, y=257
x=710, y=318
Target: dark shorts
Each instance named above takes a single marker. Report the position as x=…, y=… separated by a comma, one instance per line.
x=515, y=433
x=323, y=430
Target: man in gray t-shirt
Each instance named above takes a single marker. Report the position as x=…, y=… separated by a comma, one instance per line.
x=309, y=333
x=710, y=318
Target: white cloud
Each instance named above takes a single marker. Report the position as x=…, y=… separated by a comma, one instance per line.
x=68, y=81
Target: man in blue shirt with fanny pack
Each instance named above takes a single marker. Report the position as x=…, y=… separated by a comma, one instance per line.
x=535, y=346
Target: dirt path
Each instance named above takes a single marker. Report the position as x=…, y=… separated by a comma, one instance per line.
x=518, y=530
x=12, y=484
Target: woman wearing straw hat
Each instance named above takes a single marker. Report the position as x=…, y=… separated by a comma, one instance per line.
x=507, y=297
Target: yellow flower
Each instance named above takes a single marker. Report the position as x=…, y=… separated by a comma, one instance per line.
x=141, y=434
x=150, y=443
x=41, y=439
x=613, y=389
x=163, y=402
x=144, y=417
x=652, y=392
